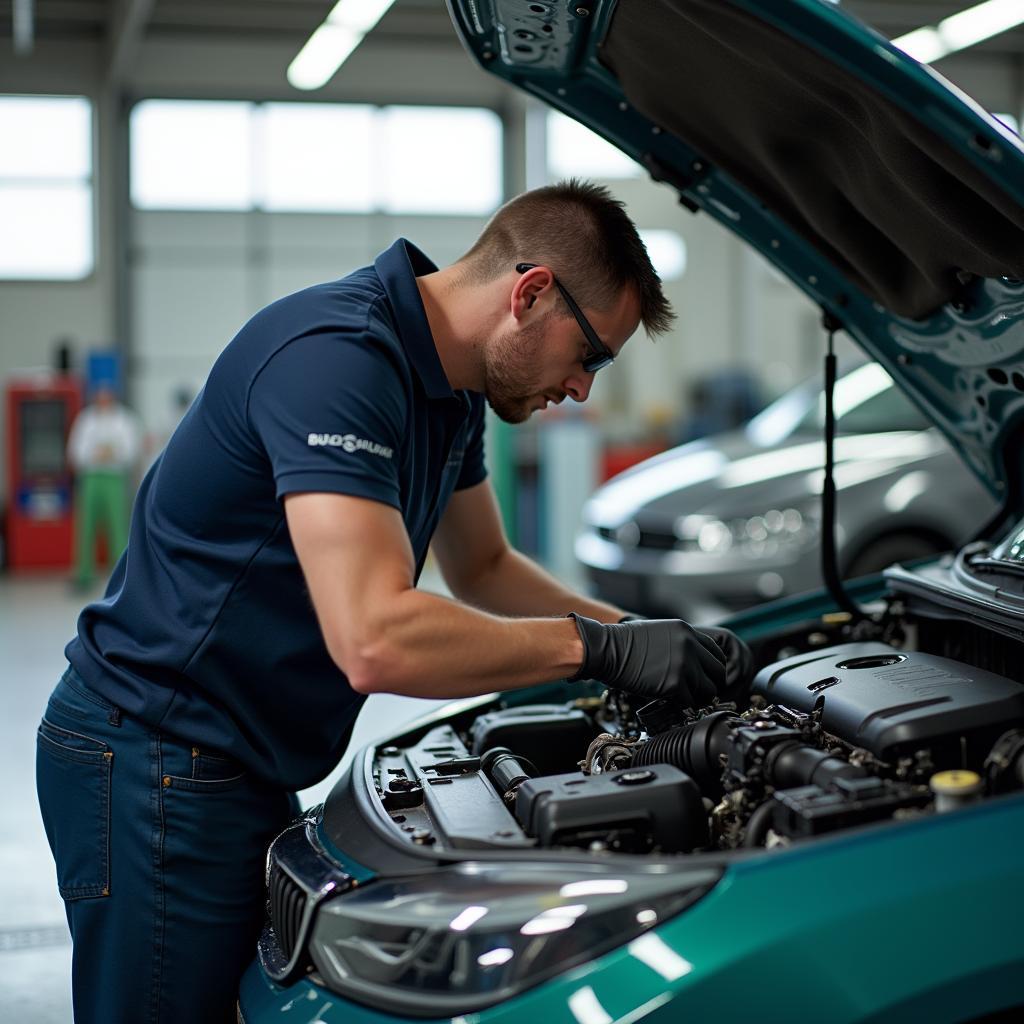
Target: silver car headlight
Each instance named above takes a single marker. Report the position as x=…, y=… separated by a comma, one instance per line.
x=762, y=536
x=461, y=938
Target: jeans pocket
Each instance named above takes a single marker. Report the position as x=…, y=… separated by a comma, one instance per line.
x=211, y=772
x=73, y=776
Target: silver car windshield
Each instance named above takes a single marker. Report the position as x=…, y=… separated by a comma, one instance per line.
x=865, y=400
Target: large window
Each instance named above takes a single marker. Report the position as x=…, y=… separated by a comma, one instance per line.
x=576, y=151
x=440, y=160
x=46, y=217
x=317, y=156
x=667, y=250
x=296, y=157
x=192, y=156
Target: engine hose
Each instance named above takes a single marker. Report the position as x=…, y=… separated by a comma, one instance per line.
x=796, y=764
x=505, y=770
x=698, y=750
x=758, y=824
x=695, y=749
x=1004, y=766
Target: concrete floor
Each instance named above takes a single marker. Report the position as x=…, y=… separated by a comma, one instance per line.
x=37, y=618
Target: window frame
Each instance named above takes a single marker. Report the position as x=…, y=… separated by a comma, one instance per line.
x=377, y=210
x=88, y=180
x=555, y=118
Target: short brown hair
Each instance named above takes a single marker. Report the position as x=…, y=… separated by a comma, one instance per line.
x=583, y=234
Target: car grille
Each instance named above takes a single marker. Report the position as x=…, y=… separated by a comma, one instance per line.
x=287, y=904
x=659, y=541
x=300, y=876
x=647, y=539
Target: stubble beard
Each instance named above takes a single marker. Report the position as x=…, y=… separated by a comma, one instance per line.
x=511, y=375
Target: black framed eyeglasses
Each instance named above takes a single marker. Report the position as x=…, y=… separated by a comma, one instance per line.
x=600, y=354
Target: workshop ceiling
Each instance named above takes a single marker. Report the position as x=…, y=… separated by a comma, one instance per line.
x=896, y=17
x=418, y=20
x=123, y=26
x=236, y=19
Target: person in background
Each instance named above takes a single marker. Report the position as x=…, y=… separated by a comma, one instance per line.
x=103, y=448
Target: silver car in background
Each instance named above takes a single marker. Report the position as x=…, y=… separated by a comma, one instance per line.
x=730, y=520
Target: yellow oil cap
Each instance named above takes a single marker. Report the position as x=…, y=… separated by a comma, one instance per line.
x=957, y=782
x=836, y=618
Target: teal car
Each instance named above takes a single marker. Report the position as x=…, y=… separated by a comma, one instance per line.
x=846, y=844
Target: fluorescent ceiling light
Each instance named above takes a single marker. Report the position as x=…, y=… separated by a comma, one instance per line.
x=358, y=15
x=325, y=51
x=982, y=22
x=332, y=42
x=962, y=30
x=922, y=44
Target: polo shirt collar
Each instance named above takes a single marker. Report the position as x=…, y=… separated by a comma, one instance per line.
x=398, y=267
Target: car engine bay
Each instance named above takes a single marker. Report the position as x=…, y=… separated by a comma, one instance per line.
x=916, y=708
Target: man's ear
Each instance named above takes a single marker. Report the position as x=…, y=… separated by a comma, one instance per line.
x=528, y=288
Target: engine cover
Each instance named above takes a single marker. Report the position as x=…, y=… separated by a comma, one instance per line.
x=653, y=807
x=894, y=703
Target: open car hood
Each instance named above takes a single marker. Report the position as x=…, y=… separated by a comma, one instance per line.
x=880, y=190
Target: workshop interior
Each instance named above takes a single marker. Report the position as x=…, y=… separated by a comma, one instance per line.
x=823, y=453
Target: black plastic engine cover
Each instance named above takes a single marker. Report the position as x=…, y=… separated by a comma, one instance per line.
x=552, y=737
x=652, y=807
x=893, y=703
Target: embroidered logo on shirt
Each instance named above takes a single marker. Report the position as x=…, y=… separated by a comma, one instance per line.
x=350, y=443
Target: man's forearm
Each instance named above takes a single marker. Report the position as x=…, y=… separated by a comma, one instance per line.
x=423, y=645
x=516, y=585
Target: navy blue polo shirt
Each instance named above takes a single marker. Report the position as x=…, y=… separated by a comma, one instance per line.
x=206, y=629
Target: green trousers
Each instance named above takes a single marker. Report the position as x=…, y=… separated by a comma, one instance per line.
x=101, y=502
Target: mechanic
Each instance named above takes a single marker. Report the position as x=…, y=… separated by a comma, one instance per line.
x=269, y=584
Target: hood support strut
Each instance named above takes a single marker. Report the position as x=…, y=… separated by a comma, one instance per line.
x=829, y=564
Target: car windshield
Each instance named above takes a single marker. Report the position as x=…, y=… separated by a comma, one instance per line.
x=865, y=399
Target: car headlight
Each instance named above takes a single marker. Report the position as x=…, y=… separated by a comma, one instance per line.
x=461, y=938
x=761, y=536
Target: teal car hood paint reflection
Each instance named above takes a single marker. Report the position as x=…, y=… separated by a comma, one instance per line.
x=748, y=939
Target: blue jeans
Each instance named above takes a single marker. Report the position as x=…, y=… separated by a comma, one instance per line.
x=160, y=850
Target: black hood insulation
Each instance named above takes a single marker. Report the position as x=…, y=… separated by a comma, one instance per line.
x=894, y=207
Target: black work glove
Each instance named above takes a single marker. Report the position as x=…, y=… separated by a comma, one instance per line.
x=739, y=661
x=660, y=659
